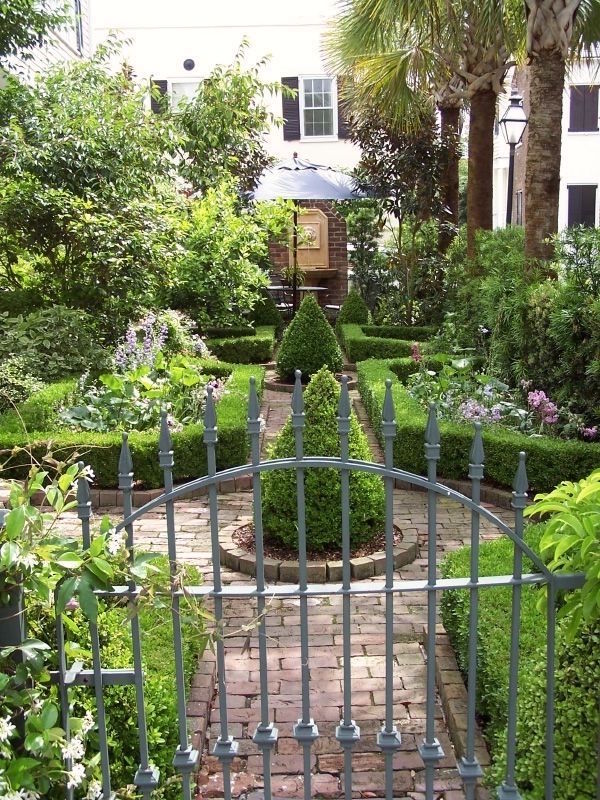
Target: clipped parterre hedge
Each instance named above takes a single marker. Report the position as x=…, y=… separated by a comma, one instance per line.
x=255, y=348
x=549, y=460
x=577, y=676
x=101, y=450
x=359, y=346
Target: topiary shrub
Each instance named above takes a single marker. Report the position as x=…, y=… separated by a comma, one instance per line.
x=322, y=486
x=265, y=313
x=308, y=344
x=353, y=310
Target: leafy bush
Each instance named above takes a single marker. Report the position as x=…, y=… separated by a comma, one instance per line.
x=255, y=349
x=265, y=312
x=369, y=265
x=353, y=310
x=322, y=486
x=53, y=342
x=16, y=382
x=308, y=344
x=40, y=416
x=549, y=460
x=232, y=332
x=358, y=346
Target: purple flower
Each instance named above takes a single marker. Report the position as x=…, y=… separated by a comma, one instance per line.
x=495, y=413
x=471, y=409
x=590, y=433
x=537, y=399
x=416, y=352
x=549, y=413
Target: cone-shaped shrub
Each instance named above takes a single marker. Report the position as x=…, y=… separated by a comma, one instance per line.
x=353, y=311
x=265, y=312
x=322, y=486
x=308, y=344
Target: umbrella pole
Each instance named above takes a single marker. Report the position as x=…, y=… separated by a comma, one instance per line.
x=295, y=263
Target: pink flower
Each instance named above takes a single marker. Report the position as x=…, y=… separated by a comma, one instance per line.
x=416, y=354
x=590, y=433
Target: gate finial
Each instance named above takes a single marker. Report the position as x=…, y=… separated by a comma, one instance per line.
x=210, y=418
x=165, y=443
x=83, y=495
x=432, y=431
x=297, y=398
x=344, y=401
x=253, y=405
x=125, y=460
x=521, y=483
x=389, y=412
x=477, y=455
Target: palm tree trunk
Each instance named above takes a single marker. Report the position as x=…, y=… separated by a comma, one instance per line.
x=544, y=141
x=481, y=166
x=450, y=138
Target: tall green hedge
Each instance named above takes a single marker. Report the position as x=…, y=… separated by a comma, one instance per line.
x=549, y=460
x=101, y=450
x=308, y=344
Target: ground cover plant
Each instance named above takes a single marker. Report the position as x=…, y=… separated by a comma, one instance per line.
x=308, y=344
x=322, y=486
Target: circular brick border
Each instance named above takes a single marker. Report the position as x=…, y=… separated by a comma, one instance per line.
x=276, y=386
x=240, y=560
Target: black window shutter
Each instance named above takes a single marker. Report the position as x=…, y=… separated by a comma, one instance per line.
x=582, y=205
x=342, y=120
x=590, y=120
x=576, y=108
x=155, y=103
x=290, y=111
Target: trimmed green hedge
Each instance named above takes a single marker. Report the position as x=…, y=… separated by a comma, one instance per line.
x=549, y=460
x=359, y=346
x=101, y=450
x=415, y=333
x=255, y=349
x=577, y=675
x=233, y=332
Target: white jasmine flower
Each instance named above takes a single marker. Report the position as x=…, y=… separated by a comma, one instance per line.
x=29, y=795
x=73, y=749
x=76, y=776
x=12, y=796
x=6, y=729
x=88, y=473
x=87, y=723
x=94, y=790
x=114, y=543
x=29, y=561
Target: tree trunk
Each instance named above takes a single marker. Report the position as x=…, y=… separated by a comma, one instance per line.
x=450, y=137
x=481, y=166
x=544, y=140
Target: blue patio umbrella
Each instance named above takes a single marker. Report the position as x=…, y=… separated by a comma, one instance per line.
x=297, y=179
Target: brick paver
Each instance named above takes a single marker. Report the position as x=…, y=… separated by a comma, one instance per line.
x=326, y=663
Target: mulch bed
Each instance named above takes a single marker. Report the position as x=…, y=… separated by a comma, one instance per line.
x=244, y=538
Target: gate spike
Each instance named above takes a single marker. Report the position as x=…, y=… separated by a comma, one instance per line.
x=521, y=484
x=477, y=455
x=210, y=417
x=83, y=487
x=297, y=398
x=125, y=460
x=389, y=412
x=344, y=402
x=165, y=443
x=253, y=406
x=432, y=431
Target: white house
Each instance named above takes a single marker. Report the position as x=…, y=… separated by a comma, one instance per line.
x=580, y=158
x=177, y=44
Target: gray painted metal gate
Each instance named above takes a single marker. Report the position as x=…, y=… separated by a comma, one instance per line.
x=306, y=729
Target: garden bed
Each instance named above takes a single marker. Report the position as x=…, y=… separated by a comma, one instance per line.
x=35, y=425
x=549, y=460
x=243, y=345
x=386, y=341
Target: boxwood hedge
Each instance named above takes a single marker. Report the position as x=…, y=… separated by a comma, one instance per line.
x=35, y=425
x=549, y=460
x=359, y=346
x=256, y=348
x=577, y=675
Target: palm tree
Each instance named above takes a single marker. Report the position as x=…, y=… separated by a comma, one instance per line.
x=557, y=30
x=396, y=49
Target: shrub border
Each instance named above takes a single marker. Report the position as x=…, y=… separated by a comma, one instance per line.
x=359, y=346
x=257, y=348
x=189, y=450
x=549, y=461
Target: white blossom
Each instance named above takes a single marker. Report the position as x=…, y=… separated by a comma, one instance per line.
x=29, y=560
x=12, y=796
x=87, y=723
x=27, y=794
x=6, y=729
x=76, y=776
x=88, y=473
x=73, y=749
x=94, y=790
x=263, y=424
x=114, y=543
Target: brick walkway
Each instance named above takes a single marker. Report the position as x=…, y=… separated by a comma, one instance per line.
x=325, y=623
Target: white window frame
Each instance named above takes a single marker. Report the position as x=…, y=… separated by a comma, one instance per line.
x=334, y=102
x=186, y=79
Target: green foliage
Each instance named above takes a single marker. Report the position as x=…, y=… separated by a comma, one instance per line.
x=358, y=346
x=16, y=382
x=412, y=333
x=308, y=344
x=549, y=460
x=87, y=196
x=53, y=342
x=353, y=310
x=40, y=416
x=225, y=126
x=24, y=24
x=571, y=543
x=369, y=265
x=322, y=486
x=232, y=332
x=220, y=275
x=265, y=312
x=256, y=349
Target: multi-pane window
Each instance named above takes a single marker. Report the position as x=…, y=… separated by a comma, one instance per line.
x=583, y=108
x=582, y=205
x=318, y=104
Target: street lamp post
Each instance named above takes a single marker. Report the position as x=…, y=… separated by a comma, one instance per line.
x=513, y=124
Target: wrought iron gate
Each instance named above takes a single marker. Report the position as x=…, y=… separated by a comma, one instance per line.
x=306, y=730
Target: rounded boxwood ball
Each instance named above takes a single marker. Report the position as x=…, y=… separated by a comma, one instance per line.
x=308, y=344
x=322, y=486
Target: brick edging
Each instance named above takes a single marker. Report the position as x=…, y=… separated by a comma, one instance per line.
x=202, y=692
x=288, y=388
x=501, y=498
x=364, y=567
